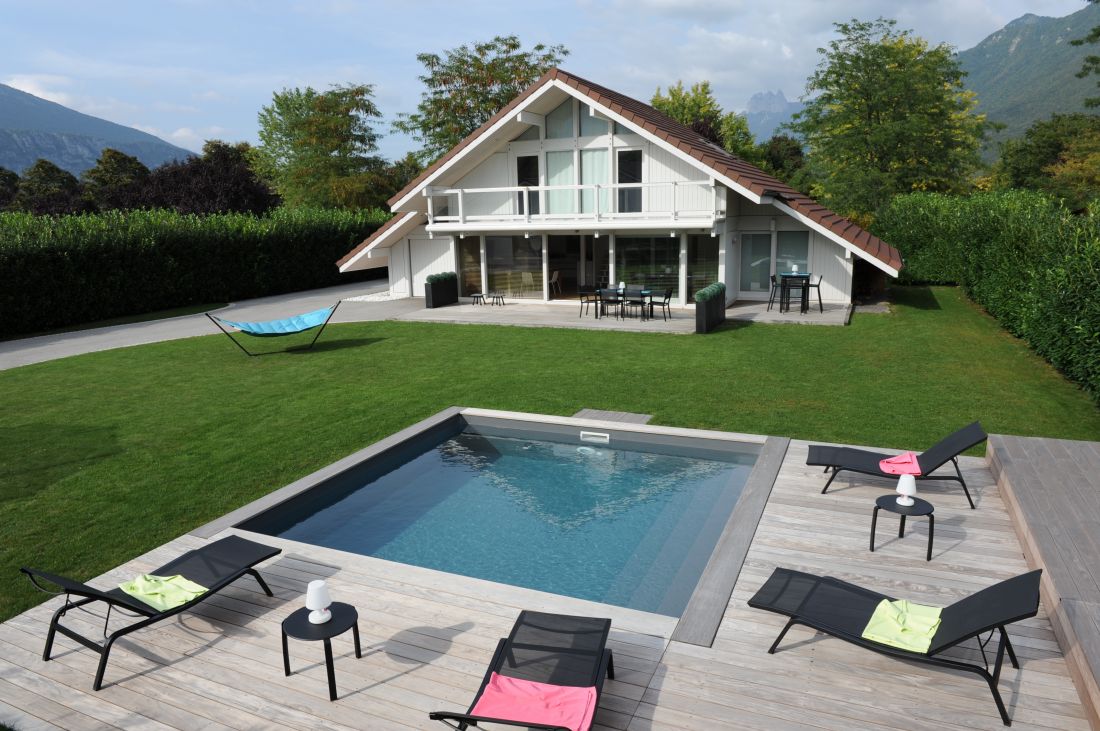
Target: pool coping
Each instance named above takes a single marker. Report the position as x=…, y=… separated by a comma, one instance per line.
x=699, y=622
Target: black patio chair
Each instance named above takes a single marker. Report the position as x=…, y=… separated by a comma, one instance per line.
x=665, y=303
x=213, y=566
x=552, y=649
x=842, y=610
x=587, y=298
x=633, y=298
x=816, y=284
x=609, y=297
x=865, y=462
x=773, y=292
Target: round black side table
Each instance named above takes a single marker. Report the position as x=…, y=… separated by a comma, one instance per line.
x=918, y=509
x=298, y=626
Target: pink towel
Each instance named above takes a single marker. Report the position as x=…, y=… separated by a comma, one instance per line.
x=903, y=464
x=512, y=699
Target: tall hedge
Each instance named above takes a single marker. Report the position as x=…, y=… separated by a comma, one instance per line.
x=64, y=270
x=1029, y=262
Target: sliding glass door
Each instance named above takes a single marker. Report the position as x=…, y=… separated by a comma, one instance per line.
x=756, y=262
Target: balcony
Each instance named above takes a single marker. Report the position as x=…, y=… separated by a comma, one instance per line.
x=674, y=205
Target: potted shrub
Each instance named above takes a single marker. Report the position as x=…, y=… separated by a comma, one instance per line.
x=441, y=290
x=710, y=307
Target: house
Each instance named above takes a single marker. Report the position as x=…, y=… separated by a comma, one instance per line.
x=572, y=186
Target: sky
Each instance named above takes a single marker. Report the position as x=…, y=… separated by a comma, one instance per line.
x=191, y=70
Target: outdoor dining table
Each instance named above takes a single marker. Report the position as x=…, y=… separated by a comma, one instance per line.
x=620, y=299
x=797, y=279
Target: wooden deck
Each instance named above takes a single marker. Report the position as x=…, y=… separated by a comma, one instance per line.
x=1052, y=489
x=428, y=636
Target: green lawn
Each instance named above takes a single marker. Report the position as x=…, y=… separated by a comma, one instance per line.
x=107, y=455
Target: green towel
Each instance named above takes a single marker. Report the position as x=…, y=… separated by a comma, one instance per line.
x=162, y=592
x=904, y=625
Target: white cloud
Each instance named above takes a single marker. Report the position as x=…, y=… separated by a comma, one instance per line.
x=41, y=85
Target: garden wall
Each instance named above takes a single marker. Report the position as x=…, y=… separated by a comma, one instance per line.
x=66, y=270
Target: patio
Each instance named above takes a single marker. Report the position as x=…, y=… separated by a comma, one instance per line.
x=428, y=636
x=565, y=314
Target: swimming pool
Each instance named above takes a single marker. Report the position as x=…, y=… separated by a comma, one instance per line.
x=610, y=516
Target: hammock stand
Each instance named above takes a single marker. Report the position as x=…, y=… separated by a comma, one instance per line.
x=278, y=328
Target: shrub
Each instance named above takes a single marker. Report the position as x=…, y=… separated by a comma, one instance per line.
x=711, y=291
x=1019, y=254
x=63, y=270
x=441, y=277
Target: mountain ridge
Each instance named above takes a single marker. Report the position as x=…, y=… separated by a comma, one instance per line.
x=32, y=128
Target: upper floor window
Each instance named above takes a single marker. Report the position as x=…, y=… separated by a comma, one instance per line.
x=591, y=126
x=630, y=171
x=559, y=122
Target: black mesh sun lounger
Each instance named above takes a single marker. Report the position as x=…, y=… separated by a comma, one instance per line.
x=555, y=649
x=842, y=610
x=213, y=566
x=860, y=460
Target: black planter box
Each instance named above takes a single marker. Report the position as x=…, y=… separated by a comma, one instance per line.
x=441, y=294
x=710, y=314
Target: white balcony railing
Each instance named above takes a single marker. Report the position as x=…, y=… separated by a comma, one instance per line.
x=697, y=202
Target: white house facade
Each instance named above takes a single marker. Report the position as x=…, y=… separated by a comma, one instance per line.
x=573, y=186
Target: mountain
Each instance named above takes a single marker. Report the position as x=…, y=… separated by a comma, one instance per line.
x=767, y=110
x=1025, y=71
x=33, y=128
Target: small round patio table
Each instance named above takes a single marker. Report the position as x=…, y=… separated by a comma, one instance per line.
x=918, y=509
x=298, y=626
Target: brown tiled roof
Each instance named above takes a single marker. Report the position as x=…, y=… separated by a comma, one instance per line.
x=691, y=143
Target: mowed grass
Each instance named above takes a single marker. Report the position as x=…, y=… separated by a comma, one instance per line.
x=107, y=455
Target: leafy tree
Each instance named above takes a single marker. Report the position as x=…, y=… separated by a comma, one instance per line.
x=9, y=186
x=1025, y=162
x=468, y=85
x=221, y=180
x=887, y=114
x=1092, y=62
x=783, y=157
x=316, y=146
x=117, y=181
x=697, y=108
x=1076, y=175
x=47, y=189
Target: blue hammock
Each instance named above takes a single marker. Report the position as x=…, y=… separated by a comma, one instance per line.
x=276, y=328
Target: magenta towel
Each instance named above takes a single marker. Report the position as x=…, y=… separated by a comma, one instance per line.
x=512, y=699
x=903, y=464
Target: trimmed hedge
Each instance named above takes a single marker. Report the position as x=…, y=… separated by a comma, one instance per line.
x=441, y=277
x=710, y=307
x=65, y=270
x=1020, y=255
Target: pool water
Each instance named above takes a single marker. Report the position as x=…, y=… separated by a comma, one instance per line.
x=617, y=526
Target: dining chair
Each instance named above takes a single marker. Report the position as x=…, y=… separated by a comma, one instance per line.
x=633, y=297
x=817, y=285
x=555, y=282
x=773, y=292
x=665, y=303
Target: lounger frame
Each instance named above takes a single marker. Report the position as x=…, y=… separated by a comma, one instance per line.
x=218, y=323
x=124, y=603
x=991, y=676
x=462, y=721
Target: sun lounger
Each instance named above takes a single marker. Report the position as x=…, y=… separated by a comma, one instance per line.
x=843, y=610
x=213, y=566
x=547, y=674
x=839, y=459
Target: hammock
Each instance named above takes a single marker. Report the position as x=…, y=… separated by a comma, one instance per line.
x=277, y=328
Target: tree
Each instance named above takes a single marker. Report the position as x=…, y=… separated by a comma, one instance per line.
x=9, y=186
x=221, y=180
x=784, y=158
x=1091, y=64
x=117, y=181
x=316, y=146
x=47, y=189
x=885, y=114
x=1075, y=177
x=468, y=85
x=1025, y=161
x=697, y=108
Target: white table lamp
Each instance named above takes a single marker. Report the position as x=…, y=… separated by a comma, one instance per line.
x=318, y=600
x=907, y=488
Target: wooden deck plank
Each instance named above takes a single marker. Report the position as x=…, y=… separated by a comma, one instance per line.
x=428, y=636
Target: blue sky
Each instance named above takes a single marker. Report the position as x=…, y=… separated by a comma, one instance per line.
x=189, y=70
